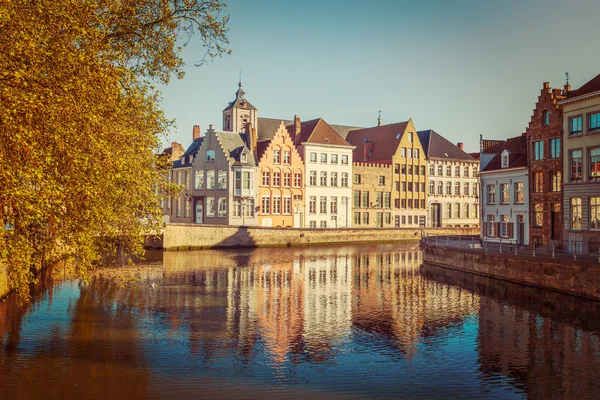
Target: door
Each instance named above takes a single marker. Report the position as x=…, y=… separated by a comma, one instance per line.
x=521, y=229
x=435, y=215
x=199, y=211
x=555, y=225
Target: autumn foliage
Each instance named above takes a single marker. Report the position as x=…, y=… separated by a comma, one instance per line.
x=81, y=124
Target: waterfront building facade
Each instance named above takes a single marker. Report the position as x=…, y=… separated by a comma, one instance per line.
x=372, y=186
x=398, y=146
x=327, y=171
x=453, y=194
x=504, y=192
x=581, y=166
x=280, y=181
x=545, y=167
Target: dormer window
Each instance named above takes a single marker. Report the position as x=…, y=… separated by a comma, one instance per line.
x=505, y=155
x=244, y=158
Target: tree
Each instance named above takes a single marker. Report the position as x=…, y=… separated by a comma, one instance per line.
x=81, y=124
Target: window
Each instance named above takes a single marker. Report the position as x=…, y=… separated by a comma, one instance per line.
x=410, y=219
x=410, y=186
x=466, y=210
x=538, y=150
x=334, y=158
x=313, y=157
x=397, y=203
x=403, y=203
x=276, y=157
x=356, y=199
x=344, y=179
x=312, y=205
x=422, y=184
x=396, y=221
x=466, y=188
x=297, y=180
x=312, y=224
x=410, y=170
x=431, y=187
x=185, y=179
x=594, y=212
x=323, y=158
x=388, y=218
x=505, y=160
x=466, y=172
x=276, y=178
x=410, y=137
x=409, y=153
x=210, y=155
x=287, y=205
x=356, y=218
x=475, y=192
x=387, y=200
x=210, y=206
x=504, y=193
x=199, y=180
x=334, y=179
x=576, y=164
x=448, y=187
x=403, y=169
x=440, y=169
x=576, y=212
x=538, y=182
x=594, y=122
x=379, y=200
x=365, y=218
x=286, y=157
x=416, y=153
x=556, y=181
x=237, y=208
x=555, y=148
x=186, y=209
x=333, y=205
x=475, y=210
x=575, y=126
x=382, y=180
x=238, y=180
x=431, y=170
x=266, y=205
x=423, y=204
x=457, y=188
x=546, y=117
x=356, y=179
x=323, y=205
x=404, y=186
x=276, y=205
x=323, y=178
x=491, y=225
x=594, y=167
x=344, y=160
x=244, y=157
x=448, y=170
x=440, y=188
x=519, y=193
x=222, y=213
x=504, y=225
x=287, y=179
x=313, y=178
x=246, y=182
x=457, y=171
x=491, y=194
x=457, y=210
x=266, y=179
x=210, y=179
x=379, y=220
x=422, y=170
x=448, y=210
x=365, y=199
x=323, y=224
x=222, y=179
x=410, y=203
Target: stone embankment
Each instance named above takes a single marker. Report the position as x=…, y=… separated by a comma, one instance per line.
x=193, y=236
x=576, y=277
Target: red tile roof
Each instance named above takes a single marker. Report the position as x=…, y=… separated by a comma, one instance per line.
x=590, y=87
x=517, y=154
x=382, y=140
x=491, y=146
x=317, y=131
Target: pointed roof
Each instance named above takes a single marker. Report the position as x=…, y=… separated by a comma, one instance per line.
x=240, y=101
x=517, y=154
x=317, y=131
x=436, y=146
x=382, y=140
x=590, y=87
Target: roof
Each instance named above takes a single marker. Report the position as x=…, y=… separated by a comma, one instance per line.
x=491, y=146
x=517, y=154
x=383, y=141
x=268, y=126
x=590, y=87
x=317, y=131
x=476, y=156
x=191, y=150
x=436, y=146
x=233, y=144
x=240, y=101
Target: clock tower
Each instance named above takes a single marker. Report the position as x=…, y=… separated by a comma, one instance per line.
x=239, y=113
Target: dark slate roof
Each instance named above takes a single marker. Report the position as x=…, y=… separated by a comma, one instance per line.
x=590, y=87
x=233, y=144
x=240, y=102
x=384, y=140
x=343, y=130
x=517, y=150
x=437, y=146
x=318, y=131
x=194, y=147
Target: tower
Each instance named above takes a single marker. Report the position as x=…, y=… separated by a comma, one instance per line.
x=239, y=113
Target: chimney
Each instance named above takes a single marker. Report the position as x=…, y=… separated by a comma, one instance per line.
x=459, y=145
x=546, y=85
x=297, y=129
x=252, y=137
x=367, y=147
x=567, y=89
x=196, y=132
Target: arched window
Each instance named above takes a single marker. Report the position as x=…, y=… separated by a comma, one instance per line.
x=546, y=117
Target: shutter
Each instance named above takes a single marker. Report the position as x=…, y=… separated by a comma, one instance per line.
x=485, y=231
x=510, y=230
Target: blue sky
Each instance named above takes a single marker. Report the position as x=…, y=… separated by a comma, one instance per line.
x=462, y=68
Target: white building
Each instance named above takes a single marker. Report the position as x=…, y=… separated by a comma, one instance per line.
x=504, y=192
x=453, y=182
x=328, y=170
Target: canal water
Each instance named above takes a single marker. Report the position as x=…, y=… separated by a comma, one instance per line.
x=319, y=322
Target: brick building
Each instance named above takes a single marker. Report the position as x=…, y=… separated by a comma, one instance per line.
x=545, y=163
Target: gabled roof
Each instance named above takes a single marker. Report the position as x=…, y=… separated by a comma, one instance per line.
x=590, y=87
x=517, y=158
x=317, y=131
x=233, y=144
x=382, y=140
x=436, y=146
x=268, y=126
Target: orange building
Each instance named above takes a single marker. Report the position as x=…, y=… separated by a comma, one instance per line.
x=280, y=181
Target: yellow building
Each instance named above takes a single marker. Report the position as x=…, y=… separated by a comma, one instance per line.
x=372, y=187
x=281, y=181
x=398, y=146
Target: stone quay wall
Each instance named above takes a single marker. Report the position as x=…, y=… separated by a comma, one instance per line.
x=194, y=236
x=579, y=278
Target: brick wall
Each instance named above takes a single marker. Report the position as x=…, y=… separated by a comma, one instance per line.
x=191, y=236
x=579, y=279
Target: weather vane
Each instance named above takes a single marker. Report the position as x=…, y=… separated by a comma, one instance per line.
x=567, y=78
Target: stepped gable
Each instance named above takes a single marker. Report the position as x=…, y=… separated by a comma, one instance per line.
x=265, y=144
x=317, y=131
x=517, y=154
x=268, y=126
x=590, y=87
x=382, y=140
x=437, y=146
x=233, y=145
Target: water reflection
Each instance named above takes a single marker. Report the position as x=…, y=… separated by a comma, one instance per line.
x=352, y=321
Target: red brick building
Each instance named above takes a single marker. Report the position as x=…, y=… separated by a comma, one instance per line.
x=544, y=135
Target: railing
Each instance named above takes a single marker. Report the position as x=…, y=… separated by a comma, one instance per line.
x=571, y=249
